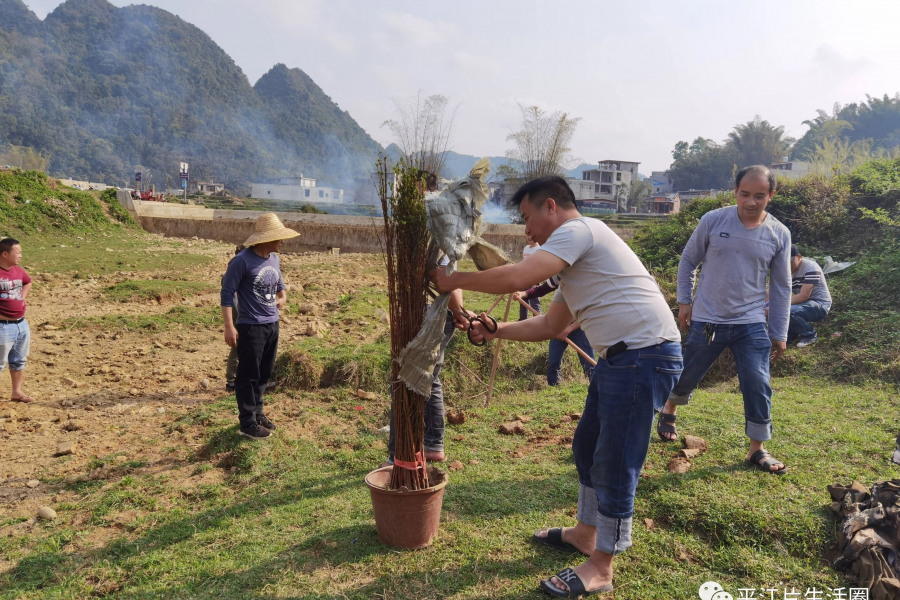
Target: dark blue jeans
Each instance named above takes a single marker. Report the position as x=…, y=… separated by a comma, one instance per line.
x=752, y=348
x=613, y=435
x=534, y=303
x=802, y=315
x=434, y=406
x=558, y=349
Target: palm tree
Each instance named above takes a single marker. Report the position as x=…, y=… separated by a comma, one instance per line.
x=758, y=142
x=824, y=117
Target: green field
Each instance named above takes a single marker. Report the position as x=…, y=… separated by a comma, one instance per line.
x=292, y=518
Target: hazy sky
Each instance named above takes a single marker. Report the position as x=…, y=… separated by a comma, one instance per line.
x=642, y=75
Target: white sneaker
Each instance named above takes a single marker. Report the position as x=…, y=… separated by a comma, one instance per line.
x=897, y=456
x=804, y=342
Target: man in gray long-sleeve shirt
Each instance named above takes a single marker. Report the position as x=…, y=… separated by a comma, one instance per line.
x=738, y=246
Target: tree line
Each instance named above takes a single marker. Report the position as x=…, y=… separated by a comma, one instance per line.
x=838, y=142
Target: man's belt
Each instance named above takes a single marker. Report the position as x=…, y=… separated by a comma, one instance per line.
x=5, y=322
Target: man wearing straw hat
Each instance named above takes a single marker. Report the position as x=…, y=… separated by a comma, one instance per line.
x=255, y=276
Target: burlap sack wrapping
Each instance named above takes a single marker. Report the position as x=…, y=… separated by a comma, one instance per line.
x=455, y=224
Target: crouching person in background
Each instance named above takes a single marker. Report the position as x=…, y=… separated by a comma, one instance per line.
x=810, y=301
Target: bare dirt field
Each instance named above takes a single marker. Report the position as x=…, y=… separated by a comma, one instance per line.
x=113, y=378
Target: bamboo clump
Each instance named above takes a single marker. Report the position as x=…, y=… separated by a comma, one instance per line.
x=406, y=250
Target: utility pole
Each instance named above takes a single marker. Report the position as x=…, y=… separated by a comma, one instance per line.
x=184, y=179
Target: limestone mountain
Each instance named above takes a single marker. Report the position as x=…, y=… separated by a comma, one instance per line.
x=305, y=117
x=101, y=89
x=15, y=16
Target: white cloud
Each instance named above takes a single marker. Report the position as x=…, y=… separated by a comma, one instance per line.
x=420, y=32
x=313, y=18
x=477, y=65
x=835, y=67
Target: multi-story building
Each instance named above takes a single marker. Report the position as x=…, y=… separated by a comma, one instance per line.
x=661, y=183
x=610, y=176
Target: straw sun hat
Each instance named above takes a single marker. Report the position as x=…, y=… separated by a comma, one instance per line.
x=269, y=229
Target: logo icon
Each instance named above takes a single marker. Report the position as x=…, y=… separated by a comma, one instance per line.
x=713, y=591
x=725, y=235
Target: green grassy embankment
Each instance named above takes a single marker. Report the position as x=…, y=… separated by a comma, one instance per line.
x=64, y=230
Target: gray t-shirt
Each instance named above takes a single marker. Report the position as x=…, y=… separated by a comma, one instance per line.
x=810, y=272
x=607, y=288
x=735, y=262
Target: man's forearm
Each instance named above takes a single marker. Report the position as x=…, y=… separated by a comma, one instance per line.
x=226, y=317
x=536, y=329
x=572, y=327
x=685, y=283
x=779, y=295
x=501, y=280
x=779, y=312
x=691, y=258
x=456, y=301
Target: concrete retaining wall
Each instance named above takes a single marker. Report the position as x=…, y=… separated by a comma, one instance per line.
x=318, y=232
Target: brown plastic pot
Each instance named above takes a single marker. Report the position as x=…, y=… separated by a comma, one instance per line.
x=406, y=519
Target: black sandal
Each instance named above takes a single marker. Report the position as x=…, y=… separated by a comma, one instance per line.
x=767, y=462
x=666, y=424
x=554, y=540
x=574, y=583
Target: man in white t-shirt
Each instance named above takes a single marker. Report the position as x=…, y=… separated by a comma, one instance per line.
x=604, y=286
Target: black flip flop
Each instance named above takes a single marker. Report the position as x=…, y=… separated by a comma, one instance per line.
x=574, y=583
x=554, y=540
x=666, y=424
x=767, y=462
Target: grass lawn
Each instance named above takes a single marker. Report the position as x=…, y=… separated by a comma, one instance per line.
x=192, y=317
x=292, y=518
x=97, y=253
x=156, y=289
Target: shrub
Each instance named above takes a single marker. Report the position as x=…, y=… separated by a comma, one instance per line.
x=116, y=210
x=660, y=244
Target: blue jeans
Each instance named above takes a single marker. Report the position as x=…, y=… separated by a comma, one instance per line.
x=558, y=349
x=534, y=303
x=434, y=406
x=751, y=347
x=802, y=315
x=613, y=435
x=15, y=341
